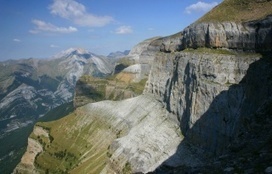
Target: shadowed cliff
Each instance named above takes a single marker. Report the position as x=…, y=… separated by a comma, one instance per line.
x=238, y=140
x=206, y=108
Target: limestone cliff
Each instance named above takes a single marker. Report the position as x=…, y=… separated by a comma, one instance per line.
x=217, y=86
x=140, y=59
x=238, y=25
x=210, y=70
x=250, y=36
x=208, y=94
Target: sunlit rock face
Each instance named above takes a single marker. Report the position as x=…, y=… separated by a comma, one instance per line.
x=250, y=36
x=113, y=133
x=208, y=86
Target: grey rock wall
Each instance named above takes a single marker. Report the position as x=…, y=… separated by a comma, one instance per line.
x=210, y=93
x=251, y=36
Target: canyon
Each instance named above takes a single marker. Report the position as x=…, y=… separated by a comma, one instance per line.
x=205, y=107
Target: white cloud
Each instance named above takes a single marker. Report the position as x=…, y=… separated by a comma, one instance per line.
x=41, y=26
x=76, y=12
x=200, y=7
x=150, y=29
x=124, y=30
x=53, y=46
x=16, y=40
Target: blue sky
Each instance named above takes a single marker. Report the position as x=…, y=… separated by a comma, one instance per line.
x=42, y=28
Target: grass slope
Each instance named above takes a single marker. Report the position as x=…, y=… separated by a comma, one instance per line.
x=15, y=143
x=117, y=87
x=74, y=143
x=238, y=11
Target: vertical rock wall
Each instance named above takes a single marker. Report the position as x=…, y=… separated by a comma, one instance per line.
x=210, y=93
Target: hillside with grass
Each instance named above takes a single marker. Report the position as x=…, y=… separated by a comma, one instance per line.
x=205, y=107
x=238, y=11
x=116, y=87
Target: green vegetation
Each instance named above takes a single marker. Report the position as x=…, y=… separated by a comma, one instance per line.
x=15, y=142
x=57, y=113
x=127, y=168
x=84, y=148
x=238, y=11
x=116, y=87
x=126, y=61
x=137, y=88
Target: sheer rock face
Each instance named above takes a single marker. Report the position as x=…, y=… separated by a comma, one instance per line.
x=207, y=95
x=251, y=36
x=210, y=93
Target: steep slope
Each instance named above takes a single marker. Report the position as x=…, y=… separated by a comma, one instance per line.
x=236, y=25
x=14, y=143
x=128, y=79
x=99, y=132
x=222, y=103
x=205, y=108
x=139, y=60
x=29, y=88
x=238, y=11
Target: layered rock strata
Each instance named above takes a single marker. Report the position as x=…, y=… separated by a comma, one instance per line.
x=210, y=93
x=206, y=82
x=118, y=135
x=249, y=36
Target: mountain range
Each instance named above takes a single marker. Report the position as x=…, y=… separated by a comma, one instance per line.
x=199, y=102
x=30, y=88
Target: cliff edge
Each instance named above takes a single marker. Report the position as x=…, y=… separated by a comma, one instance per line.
x=206, y=107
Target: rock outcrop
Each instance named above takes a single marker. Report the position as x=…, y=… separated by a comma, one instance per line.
x=253, y=36
x=28, y=160
x=140, y=59
x=207, y=97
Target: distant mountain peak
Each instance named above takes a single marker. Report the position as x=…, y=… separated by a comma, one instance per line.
x=74, y=51
x=118, y=54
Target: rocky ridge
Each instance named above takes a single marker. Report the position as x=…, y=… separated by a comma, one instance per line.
x=115, y=139
x=216, y=91
x=30, y=88
x=127, y=80
x=252, y=36
x=139, y=60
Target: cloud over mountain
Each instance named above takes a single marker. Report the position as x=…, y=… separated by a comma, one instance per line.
x=41, y=26
x=77, y=13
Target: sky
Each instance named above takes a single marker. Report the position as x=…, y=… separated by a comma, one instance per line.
x=43, y=28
